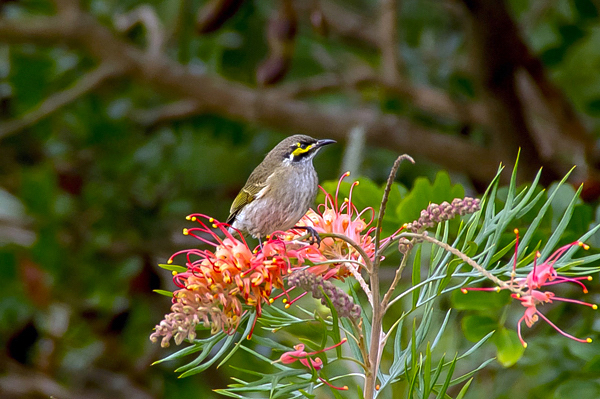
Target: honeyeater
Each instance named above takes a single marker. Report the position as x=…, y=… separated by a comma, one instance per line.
x=280, y=190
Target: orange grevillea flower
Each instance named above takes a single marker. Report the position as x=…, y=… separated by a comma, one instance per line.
x=307, y=360
x=343, y=218
x=528, y=290
x=219, y=285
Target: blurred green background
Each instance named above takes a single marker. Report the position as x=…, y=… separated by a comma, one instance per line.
x=119, y=118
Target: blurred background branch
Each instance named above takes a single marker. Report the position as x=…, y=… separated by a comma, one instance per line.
x=263, y=107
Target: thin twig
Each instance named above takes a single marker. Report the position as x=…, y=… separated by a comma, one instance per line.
x=384, y=200
x=58, y=100
x=354, y=270
x=358, y=326
x=390, y=291
x=391, y=240
x=466, y=259
x=413, y=288
x=145, y=15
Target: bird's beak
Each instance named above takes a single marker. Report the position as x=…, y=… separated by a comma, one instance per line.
x=324, y=142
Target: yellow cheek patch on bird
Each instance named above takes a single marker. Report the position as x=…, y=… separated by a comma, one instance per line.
x=299, y=151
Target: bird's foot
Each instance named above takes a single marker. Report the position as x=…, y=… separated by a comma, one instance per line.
x=314, y=236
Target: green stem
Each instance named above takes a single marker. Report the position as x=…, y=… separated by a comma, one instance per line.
x=390, y=291
x=378, y=310
x=501, y=284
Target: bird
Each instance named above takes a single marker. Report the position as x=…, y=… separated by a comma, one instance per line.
x=280, y=189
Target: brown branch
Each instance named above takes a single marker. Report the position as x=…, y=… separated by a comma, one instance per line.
x=66, y=6
x=323, y=83
x=428, y=99
x=348, y=25
x=439, y=103
x=496, y=57
x=60, y=99
x=22, y=381
x=177, y=110
x=562, y=111
x=145, y=15
x=501, y=37
x=388, y=33
x=13, y=232
x=264, y=107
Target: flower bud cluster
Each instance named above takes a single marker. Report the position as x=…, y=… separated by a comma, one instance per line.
x=189, y=311
x=405, y=245
x=435, y=213
x=318, y=287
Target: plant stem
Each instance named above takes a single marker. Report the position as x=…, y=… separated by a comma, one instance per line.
x=378, y=310
x=376, y=324
x=384, y=200
x=390, y=291
x=466, y=259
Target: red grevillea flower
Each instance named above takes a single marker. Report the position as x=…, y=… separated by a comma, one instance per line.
x=528, y=290
x=341, y=218
x=219, y=285
x=299, y=354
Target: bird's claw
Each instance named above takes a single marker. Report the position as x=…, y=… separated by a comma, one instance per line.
x=314, y=236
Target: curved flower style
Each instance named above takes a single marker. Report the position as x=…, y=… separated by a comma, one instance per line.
x=344, y=219
x=218, y=284
x=527, y=290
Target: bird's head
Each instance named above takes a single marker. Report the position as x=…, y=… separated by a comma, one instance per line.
x=299, y=148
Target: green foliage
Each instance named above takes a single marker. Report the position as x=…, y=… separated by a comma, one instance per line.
x=480, y=300
x=403, y=206
x=509, y=347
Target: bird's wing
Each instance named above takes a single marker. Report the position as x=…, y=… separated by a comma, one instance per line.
x=246, y=195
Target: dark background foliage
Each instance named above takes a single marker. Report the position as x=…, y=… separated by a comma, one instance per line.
x=118, y=118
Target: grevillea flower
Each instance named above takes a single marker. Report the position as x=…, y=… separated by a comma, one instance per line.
x=528, y=290
x=435, y=213
x=299, y=354
x=219, y=285
x=341, y=218
x=318, y=287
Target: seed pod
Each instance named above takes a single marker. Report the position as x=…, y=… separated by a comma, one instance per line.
x=591, y=188
x=214, y=14
x=272, y=70
x=281, y=35
x=318, y=22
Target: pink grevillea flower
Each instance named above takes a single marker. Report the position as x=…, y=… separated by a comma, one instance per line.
x=220, y=285
x=299, y=354
x=528, y=290
x=343, y=218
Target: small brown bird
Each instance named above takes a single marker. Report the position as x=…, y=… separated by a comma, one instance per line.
x=280, y=190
